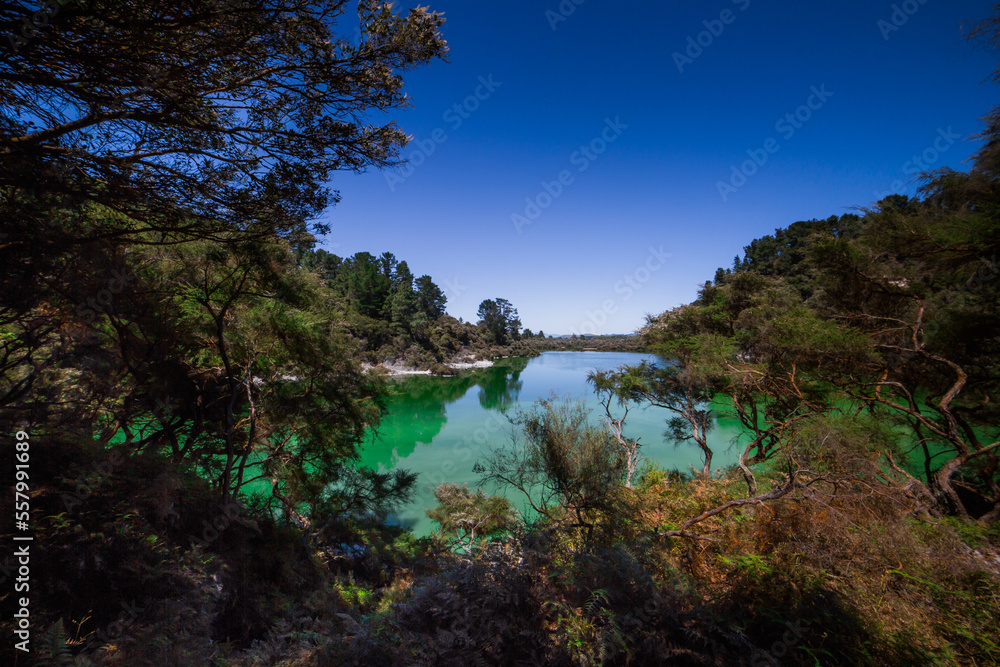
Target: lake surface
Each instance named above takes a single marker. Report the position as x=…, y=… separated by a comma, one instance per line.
x=439, y=427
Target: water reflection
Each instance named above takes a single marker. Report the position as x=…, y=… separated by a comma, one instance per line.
x=499, y=390
x=418, y=407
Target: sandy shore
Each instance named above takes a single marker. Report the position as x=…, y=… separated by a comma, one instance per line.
x=398, y=370
x=461, y=366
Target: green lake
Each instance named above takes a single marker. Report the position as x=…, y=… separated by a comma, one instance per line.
x=440, y=426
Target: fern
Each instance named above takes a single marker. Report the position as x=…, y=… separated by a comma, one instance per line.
x=598, y=596
x=53, y=649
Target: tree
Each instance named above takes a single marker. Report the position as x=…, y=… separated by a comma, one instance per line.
x=432, y=299
x=231, y=119
x=684, y=385
x=404, y=307
x=500, y=319
x=326, y=264
x=223, y=126
x=223, y=355
x=389, y=266
x=911, y=284
x=361, y=493
x=614, y=388
x=560, y=463
x=891, y=313
x=469, y=518
x=491, y=319
x=368, y=286
x=987, y=162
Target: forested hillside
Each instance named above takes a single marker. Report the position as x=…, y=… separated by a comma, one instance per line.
x=912, y=287
x=396, y=318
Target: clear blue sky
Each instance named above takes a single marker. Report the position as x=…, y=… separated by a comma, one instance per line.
x=592, y=260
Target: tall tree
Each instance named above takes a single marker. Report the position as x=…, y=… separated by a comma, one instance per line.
x=387, y=264
x=432, y=299
x=404, y=307
x=368, y=286
x=402, y=275
x=500, y=319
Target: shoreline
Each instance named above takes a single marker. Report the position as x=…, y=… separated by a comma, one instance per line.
x=399, y=370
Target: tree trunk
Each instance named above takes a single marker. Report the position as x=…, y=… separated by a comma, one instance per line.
x=747, y=474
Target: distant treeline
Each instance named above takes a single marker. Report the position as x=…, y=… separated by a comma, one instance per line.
x=592, y=343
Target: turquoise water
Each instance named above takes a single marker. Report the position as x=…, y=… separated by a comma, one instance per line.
x=439, y=427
